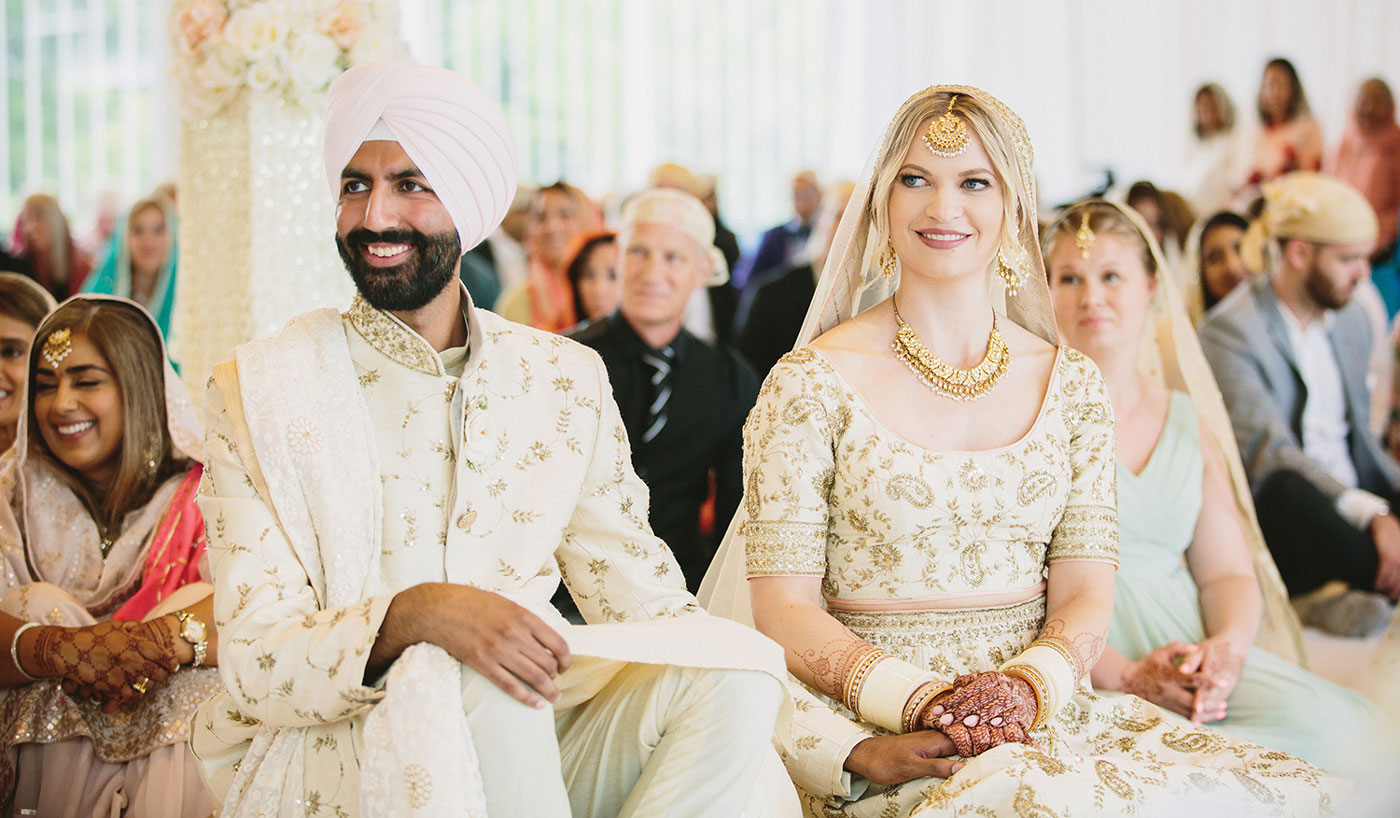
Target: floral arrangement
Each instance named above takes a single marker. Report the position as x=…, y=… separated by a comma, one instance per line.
x=294, y=48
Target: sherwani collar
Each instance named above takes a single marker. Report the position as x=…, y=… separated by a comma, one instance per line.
x=393, y=339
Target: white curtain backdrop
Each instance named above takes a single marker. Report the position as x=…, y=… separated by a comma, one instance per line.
x=599, y=91
x=753, y=90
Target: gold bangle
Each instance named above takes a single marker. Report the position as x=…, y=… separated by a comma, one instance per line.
x=1031, y=675
x=914, y=708
x=1062, y=647
x=850, y=691
x=14, y=649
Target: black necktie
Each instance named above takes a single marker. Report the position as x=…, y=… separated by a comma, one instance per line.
x=660, y=361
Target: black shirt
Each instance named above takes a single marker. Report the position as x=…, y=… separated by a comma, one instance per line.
x=771, y=320
x=712, y=393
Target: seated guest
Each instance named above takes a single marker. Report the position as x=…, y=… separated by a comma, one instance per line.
x=109, y=621
x=710, y=314
x=140, y=261
x=683, y=401
x=1290, y=354
x=780, y=246
x=1368, y=158
x=383, y=557
x=558, y=213
x=1220, y=267
x=1213, y=167
x=775, y=305
x=1177, y=496
x=47, y=243
x=23, y=304
x=592, y=269
x=1288, y=138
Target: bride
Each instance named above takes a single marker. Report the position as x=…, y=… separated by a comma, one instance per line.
x=929, y=523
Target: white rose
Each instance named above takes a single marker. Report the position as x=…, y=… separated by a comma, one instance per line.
x=377, y=43
x=478, y=444
x=256, y=31
x=312, y=61
x=264, y=74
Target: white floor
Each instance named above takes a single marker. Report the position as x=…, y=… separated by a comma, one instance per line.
x=1338, y=658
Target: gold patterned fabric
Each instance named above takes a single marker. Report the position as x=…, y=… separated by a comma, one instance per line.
x=832, y=492
x=914, y=524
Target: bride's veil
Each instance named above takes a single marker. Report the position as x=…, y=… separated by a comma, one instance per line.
x=853, y=280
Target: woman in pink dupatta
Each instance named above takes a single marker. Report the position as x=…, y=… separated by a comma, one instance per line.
x=103, y=597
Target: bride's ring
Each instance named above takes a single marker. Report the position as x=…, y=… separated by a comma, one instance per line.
x=141, y=684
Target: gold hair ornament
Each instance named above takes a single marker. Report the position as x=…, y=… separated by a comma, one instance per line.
x=1084, y=236
x=58, y=346
x=941, y=376
x=947, y=135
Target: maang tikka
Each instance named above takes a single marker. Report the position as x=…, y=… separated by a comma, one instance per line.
x=1084, y=236
x=947, y=135
x=58, y=346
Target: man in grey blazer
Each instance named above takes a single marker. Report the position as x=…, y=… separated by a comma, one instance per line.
x=1290, y=354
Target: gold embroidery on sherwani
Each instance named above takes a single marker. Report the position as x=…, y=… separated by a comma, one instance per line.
x=392, y=339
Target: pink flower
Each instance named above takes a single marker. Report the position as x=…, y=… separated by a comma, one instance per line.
x=343, y=22
x=198, y=21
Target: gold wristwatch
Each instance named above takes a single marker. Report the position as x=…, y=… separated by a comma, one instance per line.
x=192, y=630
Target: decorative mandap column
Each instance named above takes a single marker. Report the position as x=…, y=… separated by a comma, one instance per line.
x=256, y=220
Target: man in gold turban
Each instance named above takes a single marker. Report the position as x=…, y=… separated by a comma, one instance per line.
x=393, y=495
x=1290, y=354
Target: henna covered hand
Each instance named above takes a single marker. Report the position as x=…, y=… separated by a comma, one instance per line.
x=982, y=711
x=105, y=661
x=1217, y=666
x=1157, y=678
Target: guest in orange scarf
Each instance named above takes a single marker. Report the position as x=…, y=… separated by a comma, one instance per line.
x=545, y=300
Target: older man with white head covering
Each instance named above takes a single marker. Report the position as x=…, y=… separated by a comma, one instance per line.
x=393, y=494
x=682, y=400
x=1290, y=354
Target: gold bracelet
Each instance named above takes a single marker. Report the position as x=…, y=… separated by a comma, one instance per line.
x=14, y=649
x=850, y=691
x=1031, y=675
x=1061, y=646
x=914, y=708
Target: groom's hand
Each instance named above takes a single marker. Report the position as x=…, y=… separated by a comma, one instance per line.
x=492, y=635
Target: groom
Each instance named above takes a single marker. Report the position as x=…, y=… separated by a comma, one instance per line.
x=394, y=494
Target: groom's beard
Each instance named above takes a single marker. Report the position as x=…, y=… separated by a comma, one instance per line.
x=431, y=266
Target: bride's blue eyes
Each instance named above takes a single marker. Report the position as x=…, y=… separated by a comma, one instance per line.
x=915, y=180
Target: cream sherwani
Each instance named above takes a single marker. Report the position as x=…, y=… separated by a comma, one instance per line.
x=347, y=462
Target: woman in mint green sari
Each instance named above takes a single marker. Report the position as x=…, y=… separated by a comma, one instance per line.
x=1200, y=618
x=140, y=260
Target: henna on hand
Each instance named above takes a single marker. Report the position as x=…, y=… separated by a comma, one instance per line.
x=982, y=711
x=102, y=661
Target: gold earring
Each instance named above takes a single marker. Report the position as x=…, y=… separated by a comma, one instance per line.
x=890, y=258
x=1013, y=274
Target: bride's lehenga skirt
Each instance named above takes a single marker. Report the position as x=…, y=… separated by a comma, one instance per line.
x=1100, y=755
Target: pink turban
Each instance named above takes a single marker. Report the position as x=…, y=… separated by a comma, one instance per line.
x=453, y=132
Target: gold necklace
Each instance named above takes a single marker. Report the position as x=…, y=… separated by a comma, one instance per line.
x=944, y=378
